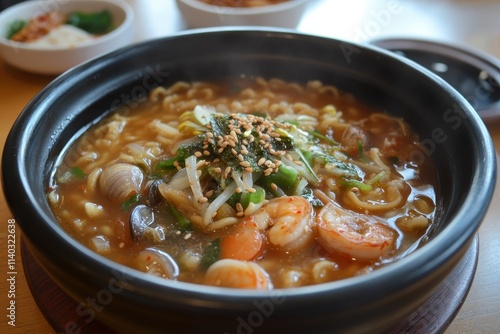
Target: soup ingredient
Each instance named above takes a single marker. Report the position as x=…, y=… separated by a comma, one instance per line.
x=119, y=181
x=156, y=262
x=244, y=243
x=287, y=221
x=142, y=219
x=358, y=236
x=237, y=274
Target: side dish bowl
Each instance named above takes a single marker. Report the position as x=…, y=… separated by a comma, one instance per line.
x=54, y=60
x=200, y=15
x=451, y=131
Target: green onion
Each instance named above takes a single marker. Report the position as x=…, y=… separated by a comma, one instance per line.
x=284, y=178
x=129, y=202
x=183, y=222
x=257, y=197
x=212, y=253
x=376, y=179
x=317, y=134
x=70, y=175
x=167, y=164
x=356, y=184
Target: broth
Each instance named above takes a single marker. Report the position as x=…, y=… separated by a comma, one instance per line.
x=251, y=183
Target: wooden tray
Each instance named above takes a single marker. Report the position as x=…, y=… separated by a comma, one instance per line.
x=432, y=317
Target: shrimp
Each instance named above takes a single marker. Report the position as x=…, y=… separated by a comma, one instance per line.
x=356, y=235
x=287, y=220
x=231, y=273
x=244, y=243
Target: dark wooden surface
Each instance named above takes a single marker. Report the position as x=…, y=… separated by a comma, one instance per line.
x=432, y=317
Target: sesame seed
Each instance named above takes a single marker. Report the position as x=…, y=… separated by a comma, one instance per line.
x=240, y=157
x=198, y=172
x=261, y=161
x=244, y=164
x=268, y=171
x=207, y=153
x=209, y=193
x=274, y=186
x=239, y=207
x=228, y=170
x=249, y=169
x=238, y=190
x=217, y=170
x=234, y=151
x=240, y=214
x=297, y=162
x=187, y=236
x=210, y=135
x=197, y=154
x=251, y=190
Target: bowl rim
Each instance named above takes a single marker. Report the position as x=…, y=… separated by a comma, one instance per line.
x=486, y=171
x=237, y=11
x=128, y=17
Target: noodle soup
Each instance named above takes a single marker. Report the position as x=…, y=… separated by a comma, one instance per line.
x=251, y=183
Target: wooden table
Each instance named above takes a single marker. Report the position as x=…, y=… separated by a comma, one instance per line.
x=481, y=311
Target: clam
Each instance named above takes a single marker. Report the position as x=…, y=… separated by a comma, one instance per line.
x=120, y=180
x=354, y=140
x=154, y=196
x=156, y=262
x=143, y=226
x=141, y=219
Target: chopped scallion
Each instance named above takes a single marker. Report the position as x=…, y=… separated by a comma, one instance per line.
x=212, y=253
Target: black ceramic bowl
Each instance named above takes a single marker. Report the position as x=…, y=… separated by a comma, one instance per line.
x=452, y=132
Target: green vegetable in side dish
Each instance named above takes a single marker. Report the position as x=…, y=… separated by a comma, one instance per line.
x=15, y=27
x=94, y=23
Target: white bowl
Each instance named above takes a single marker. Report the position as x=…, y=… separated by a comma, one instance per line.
x=55, y=60
x=199, y=15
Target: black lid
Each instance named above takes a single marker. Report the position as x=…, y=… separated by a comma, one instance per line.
x=473, y=73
